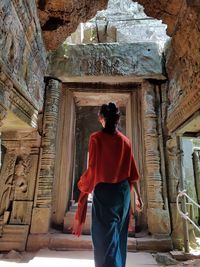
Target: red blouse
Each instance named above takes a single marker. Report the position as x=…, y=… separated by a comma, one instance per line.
x=110, y=161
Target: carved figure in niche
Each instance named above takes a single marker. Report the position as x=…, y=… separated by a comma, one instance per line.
x=20, y=181
x=6, y=187
x=173, y=168
x=6, y=195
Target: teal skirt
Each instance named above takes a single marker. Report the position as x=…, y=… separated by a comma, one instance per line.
x=110, y=219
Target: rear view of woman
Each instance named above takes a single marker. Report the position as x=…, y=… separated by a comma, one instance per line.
x=111, y=174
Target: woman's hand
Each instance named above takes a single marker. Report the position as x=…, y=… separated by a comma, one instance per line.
x=139, y=204
x=77, y=228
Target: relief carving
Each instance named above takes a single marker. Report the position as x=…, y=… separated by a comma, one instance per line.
x=173, y=168
x=21, y=212
x=20, y=174
x=46, y=176
x=5, y=88
x=6, y=184
x=154, y=180
x=17, y=181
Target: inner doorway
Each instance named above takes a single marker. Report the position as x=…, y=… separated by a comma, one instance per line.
x=79, y=109
x=86, y=121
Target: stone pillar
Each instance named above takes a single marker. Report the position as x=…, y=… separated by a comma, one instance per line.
x=44, y=190
x=157, y=209
x=17, y=187
x=173, y=173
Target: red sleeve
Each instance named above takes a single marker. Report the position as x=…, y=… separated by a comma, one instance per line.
x=82, y=208
x=134, y=174
x=86, y=182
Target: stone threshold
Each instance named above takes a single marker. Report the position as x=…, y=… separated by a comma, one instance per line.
x=61, y=241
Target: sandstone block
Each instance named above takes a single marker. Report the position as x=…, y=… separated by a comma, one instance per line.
x=158, y=221
x=14, y=237
x=40, y=220
x=76, y=63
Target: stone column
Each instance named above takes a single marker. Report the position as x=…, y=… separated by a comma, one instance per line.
x=157, y=209
x=44, y=190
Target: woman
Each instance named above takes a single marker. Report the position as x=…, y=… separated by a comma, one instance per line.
x=111, y=174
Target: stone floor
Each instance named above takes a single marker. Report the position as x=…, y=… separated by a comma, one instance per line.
x=50, y=258
x=53, y=258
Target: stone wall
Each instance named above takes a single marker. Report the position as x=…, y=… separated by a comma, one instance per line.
x=182, y=55
x=23, y=57
x=22, y=70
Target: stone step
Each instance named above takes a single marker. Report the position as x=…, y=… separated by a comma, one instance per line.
x=60, y=241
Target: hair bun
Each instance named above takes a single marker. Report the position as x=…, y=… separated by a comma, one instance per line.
x=112, y=107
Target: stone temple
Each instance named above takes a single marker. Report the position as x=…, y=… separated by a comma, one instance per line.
x=60, y=61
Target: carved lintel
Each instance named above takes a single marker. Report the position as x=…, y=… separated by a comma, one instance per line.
x=21, y=141
x=23, y=108
x=12, y=100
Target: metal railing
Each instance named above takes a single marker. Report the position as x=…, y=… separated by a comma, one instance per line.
x=185, y=215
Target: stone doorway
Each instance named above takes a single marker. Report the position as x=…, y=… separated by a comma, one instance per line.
x=84, y=106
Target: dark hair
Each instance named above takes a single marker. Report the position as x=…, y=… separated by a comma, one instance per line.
x=111, y=115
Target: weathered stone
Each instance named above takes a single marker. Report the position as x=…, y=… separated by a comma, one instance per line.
x=12, y=255
x=57, y=241
x=154, y=244
x=173, y=168
x=40, y=220
x=182, y=55
x=74, y=63
x=60, y=19
x=44, y=191
x=6, y=179
x=157, y=207
x=37, y=241
x=18, y=177
x=23, y=56
x=165, y=259
x=14, y=237
x=158, y=221
x=21, y=212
